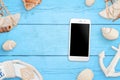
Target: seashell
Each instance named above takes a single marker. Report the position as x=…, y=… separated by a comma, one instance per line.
x=110, y=33
x=90, y=2
x=27, y=73
x=86, y=74
x=5, y=29
x=9, y=45
x=1, y=20
x=29, y=4
x=109, y=15
x=15, y=19
x=8, y=22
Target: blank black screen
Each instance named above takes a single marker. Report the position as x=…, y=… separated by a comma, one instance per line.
x=79, y=44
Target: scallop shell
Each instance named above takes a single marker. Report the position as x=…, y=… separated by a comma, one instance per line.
x=86, y=74
x=30, y=4
x=15, y=19
x=9, y=45
x=90, y=2
x=110, y=33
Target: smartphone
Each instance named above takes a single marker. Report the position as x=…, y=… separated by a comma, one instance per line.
x=79, y=40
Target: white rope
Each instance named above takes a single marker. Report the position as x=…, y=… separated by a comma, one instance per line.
x=25, y=64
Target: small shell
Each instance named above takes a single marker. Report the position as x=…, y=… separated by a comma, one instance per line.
x=9, y=45
x=86, y=74
x=8, y=22
x=30, y=4
x=110, y=33
x=90, y=2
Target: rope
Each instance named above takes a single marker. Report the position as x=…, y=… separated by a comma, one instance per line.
x=4, y=7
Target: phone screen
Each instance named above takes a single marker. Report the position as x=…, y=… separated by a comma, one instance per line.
x=79, y=42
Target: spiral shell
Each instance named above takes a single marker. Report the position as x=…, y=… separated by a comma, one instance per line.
x=8, y=22
x=110, y=33
x=9, y=45
x=86, y=74
x=113, y=11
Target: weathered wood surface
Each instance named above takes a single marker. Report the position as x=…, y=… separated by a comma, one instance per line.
x=43, y=33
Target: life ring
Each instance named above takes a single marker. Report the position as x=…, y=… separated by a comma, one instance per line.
x=17, y=68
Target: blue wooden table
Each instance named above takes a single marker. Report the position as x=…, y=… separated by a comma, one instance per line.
x=42, y=38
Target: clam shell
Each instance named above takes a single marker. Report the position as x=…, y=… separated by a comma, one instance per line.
x=9, y=45
x=90, y=2
x=110, y=33
x=86, y=74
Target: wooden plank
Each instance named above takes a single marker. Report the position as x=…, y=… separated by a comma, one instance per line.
x=37, y=40
x=60, y=68
x=99, y=43
x=58, y=12
x=53, y=40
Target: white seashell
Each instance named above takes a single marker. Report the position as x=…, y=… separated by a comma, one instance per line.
x=8, y=21
x=116, y=11
x=1, y=20
x=90, y=2
x=12, y=19
x=110, y=33
x=86, y=74
x=15, y=18
x=9, y=45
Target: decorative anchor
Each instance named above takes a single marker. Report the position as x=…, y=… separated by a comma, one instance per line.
x=110, y=70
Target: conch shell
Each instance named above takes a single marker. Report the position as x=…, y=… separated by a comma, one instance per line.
x=9, y=45
x=8, y=22
x=110, y=33
x=86, y=74
x=114, y=11
x=29, y=4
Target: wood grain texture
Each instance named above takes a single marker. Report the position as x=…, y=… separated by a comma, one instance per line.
x=59, y=12
x=53, y=40
x=59, y=67
x=43, y=33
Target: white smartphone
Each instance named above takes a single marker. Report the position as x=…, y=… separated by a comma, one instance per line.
x=79, y=39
